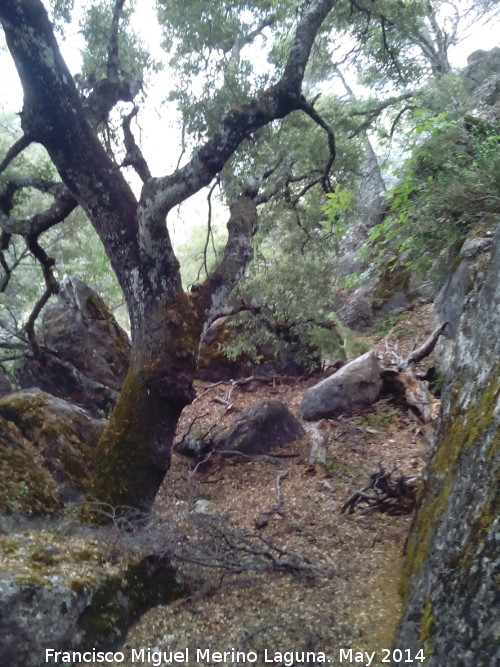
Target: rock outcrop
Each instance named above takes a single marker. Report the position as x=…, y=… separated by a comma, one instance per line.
x=452, y=566
x=64, y=598
x=46, y=444
x=85, y=353
x=481, y=65
x=354, y=387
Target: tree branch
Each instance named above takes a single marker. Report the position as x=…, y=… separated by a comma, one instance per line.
x=16, y=149
x=35, y=225
x=134, y=156
x=275, y=102
x=113, y=62
x=319, y=120
x=51, y=287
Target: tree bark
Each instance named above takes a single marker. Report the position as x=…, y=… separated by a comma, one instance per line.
x=166, y=324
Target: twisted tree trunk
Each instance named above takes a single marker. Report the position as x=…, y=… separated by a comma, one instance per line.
x=166, y=324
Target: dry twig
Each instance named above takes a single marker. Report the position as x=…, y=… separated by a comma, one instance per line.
x=383, y=494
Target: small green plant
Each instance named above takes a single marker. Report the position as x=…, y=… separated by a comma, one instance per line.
x=381, y=415
x=386, y=325
x=339, y=468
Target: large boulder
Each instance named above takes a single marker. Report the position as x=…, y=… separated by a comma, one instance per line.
x=354, y=387
x=85, y=352
x=484, y=105
x=452, y=567
x=258, y=430
x=481, y=65
x=56, y=436
x=60, y=594
x=263, y=427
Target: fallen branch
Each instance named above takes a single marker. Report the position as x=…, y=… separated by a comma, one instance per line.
x=394, y=497
x=263, y=519
x=400, y=378
x=425, y=349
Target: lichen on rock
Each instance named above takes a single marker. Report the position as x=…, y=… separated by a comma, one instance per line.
x=452, y=565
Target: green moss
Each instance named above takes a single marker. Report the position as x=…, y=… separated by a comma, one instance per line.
x=120, y=600
x=461, y=431
x=427, y=628
x=27, y=488
x=41, y=555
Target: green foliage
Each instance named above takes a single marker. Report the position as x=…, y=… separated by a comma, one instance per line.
x=339, y=203
x=450, y=181
x=61, y=12
x=134, y=60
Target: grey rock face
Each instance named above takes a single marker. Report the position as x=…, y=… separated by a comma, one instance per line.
x=485, y=103
x=92, y=351
x=354, y=387
x=469, y=269
x=63, y=616
x=480, y=66
x=263, y=427
x=453, y=561
x=62, y=435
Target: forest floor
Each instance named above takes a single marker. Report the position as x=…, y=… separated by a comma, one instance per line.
x=313, y=579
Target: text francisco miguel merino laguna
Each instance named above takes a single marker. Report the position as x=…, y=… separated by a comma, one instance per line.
x=156, y=657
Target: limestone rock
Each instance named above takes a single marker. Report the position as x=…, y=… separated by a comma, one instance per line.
x=484, y=106
x=258, y=430
x=92, y=351
x=481, y=65
x=65, y=614
x=27, y=487
x=61, y=434
x=452, y=567
x=354, y=387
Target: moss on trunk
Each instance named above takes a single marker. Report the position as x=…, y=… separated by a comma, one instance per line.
x=133, y=454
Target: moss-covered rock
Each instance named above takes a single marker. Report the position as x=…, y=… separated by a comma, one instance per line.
x=452, y=565
x=50, y=460
x=26, y=485
x=92, y=350
x=62, y=592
